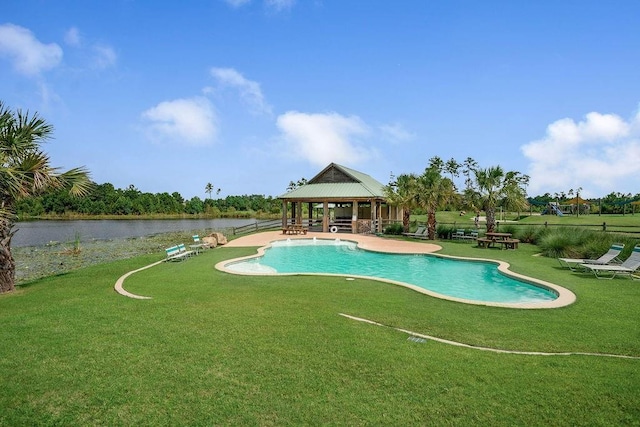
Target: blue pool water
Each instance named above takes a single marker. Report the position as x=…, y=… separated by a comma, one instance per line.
x=479, y=281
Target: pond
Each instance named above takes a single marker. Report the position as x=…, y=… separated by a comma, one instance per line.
x=36, y=233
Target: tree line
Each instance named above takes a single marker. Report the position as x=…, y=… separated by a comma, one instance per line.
x=485, y=189
x=105, y=199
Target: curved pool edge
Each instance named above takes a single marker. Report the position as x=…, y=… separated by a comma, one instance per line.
x=564, y=296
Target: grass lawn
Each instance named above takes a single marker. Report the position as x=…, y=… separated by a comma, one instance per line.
x=217, y=349
x=619, y=223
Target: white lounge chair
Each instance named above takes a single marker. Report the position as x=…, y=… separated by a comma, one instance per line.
x=630, y=266
x=611, y=257
x=421, y=232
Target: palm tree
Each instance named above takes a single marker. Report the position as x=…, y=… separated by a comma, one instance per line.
x=468, y=166
x=25, y=172
x=493, y=187
x=434, y=191
x=208, y=189
x=452, y=167
x=402, y=192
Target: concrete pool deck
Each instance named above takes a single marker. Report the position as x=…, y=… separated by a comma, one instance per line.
x=380, y=244
x=368, y=242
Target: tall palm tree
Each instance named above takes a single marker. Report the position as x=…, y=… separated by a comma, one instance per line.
x=402, y=192
x=493, y=187
x=434, y=191
x=452, y=167
x=208, y=189
x=25, y=172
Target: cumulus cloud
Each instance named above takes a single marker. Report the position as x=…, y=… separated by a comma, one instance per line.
x=601, y=154
x=249, y=90
x=28, y=55
x=103, y=56
x=183, y=121
x=324, y=138
x=72, y=37
x=98, y=55
x=396, y=133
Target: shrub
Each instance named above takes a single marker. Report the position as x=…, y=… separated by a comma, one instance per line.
x=395, y=229
x=445, y=231
x=508, y=229
x=581, y=243
x=530, y=234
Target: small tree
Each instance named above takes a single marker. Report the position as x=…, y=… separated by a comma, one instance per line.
x=434, y=191
x=402, y=192
x=492, y=187
x=25, y=172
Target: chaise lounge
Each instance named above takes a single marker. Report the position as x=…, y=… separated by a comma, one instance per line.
x=420, y=233
x=611, y=257
x=629, y=267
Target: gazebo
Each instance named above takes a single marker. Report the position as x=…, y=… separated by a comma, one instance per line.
x=348, y=200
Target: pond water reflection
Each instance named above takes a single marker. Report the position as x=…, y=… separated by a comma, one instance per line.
x=35, y=233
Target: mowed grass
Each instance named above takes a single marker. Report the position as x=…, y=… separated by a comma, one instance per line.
x=217, y=349
x=628, y=223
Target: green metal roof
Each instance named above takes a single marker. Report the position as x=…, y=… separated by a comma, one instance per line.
x=350, y=184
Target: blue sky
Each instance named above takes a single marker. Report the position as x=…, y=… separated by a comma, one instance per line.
x=252, y=94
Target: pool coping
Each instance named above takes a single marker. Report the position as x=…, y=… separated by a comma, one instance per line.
x=378, y=244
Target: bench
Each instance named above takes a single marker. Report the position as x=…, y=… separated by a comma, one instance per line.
x=484, y=242
x=510, y=243
x=174, y=254
x=461, y=235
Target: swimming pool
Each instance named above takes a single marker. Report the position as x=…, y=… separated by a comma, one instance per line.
x=464, y=280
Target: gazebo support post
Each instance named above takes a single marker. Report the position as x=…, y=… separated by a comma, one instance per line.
x=354, y=217
x=325, y=216
x=299, y=213
x=284, y=213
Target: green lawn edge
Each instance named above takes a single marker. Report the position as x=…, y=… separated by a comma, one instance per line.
x=213, y=348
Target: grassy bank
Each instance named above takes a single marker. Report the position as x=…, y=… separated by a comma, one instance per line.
x=218, y=349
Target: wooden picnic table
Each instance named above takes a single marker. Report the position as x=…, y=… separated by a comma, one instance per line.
x=504, y=239
x=295, y=229
x=499, y=236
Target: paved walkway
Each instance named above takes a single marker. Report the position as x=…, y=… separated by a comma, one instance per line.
x=481, y=348
x=369, y=242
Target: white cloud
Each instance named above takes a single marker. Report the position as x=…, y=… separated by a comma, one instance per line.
x=396, y=133
x=324, y=138
x=601, y=154
x=103, y=56
x=28, y=55
x=182, y=121
x=72, y=37
x=250, y=91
